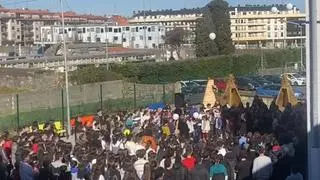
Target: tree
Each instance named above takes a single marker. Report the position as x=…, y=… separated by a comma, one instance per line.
x=215, y=19
x=175, y=38
x=219, y=10
x=204, y=45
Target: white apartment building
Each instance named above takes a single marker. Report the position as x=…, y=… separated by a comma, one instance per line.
x=131, y=36
x=184, y=18
x=259, y=26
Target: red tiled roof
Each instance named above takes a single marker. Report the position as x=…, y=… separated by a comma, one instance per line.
x=122, y=21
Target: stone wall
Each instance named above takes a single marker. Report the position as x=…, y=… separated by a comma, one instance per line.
x=29, y=80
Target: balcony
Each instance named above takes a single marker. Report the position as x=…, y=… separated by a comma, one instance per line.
x=271, y=15
x=251, y=38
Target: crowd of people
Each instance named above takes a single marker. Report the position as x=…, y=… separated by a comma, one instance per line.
x=191, y=143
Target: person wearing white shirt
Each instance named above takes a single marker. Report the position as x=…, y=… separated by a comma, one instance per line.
x=190, y=124
x=139, y=164
x=262, y=166
x=205, y=126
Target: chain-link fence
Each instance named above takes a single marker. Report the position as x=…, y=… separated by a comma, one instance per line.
x=21, y=109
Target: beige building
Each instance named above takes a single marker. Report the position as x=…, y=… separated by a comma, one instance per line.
x=266, y=26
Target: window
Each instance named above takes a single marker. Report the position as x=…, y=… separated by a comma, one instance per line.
x=115, y=30
x=69, y=29
x=281, y=27
x=91, y=29
x=124, y=40
x=153, y=45
x=275, y=27
x=102, y=30
x=137, y=46
x=127, y=28
x=18, y=37
x=141, y=37
x=115, y=38
x=98, y=30
x=153, y=29
x=110, y=30
x=149, y=38
x=275, y=34
x=98, y=40
x=269, y=28
x=137, y=29
x=149, y=29
x=133, y=29
x=281, y=34
x=84, y=30
x=12, y=28
x=269, y=34
x=133, y=38
x=119, y=29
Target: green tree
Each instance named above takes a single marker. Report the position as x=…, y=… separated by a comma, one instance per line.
x=204, y=45
x=174, y=39
x=219, y=10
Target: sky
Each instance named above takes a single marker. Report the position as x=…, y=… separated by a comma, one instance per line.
x=126, y=7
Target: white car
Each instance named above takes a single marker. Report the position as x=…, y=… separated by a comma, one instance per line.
x=296, y=79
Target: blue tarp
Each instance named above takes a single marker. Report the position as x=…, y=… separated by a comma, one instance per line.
x=156, y=106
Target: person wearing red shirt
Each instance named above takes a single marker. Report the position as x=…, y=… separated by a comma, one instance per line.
x=189, y=162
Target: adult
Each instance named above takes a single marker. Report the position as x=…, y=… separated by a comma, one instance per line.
x=262, y=166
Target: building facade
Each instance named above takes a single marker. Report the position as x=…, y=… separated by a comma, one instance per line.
x=22, y=26
x=131, y=36
x=266, y=26
x=170, y=19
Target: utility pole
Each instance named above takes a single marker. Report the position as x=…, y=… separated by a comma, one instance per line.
x=313, y=96
x=107, y=53
x=66, y=69
x=144, y=25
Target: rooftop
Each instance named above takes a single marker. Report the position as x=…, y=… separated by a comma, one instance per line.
x=68, y=14
x=257, y=7
x=254, y=7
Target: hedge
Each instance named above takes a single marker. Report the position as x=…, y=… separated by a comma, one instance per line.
x=243, y=63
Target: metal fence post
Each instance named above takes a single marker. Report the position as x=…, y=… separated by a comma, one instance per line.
x=101, y=99
x=134, y=96
x=18, y=113
x=62, y=107
x=164, y=93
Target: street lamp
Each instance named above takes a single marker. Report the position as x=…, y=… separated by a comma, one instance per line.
x=274, y=10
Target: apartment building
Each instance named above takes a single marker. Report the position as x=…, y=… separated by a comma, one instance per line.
x=275, y=26
x=130, y=36
x=170, y=19
x=22, y=26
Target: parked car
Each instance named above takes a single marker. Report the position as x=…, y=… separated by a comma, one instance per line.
x=246, y=84
x=296, y=79
x=190, y=87
x=272, y=90
x=218, y=82
x=260, y=80
x=202, y=83
x=275, y=79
